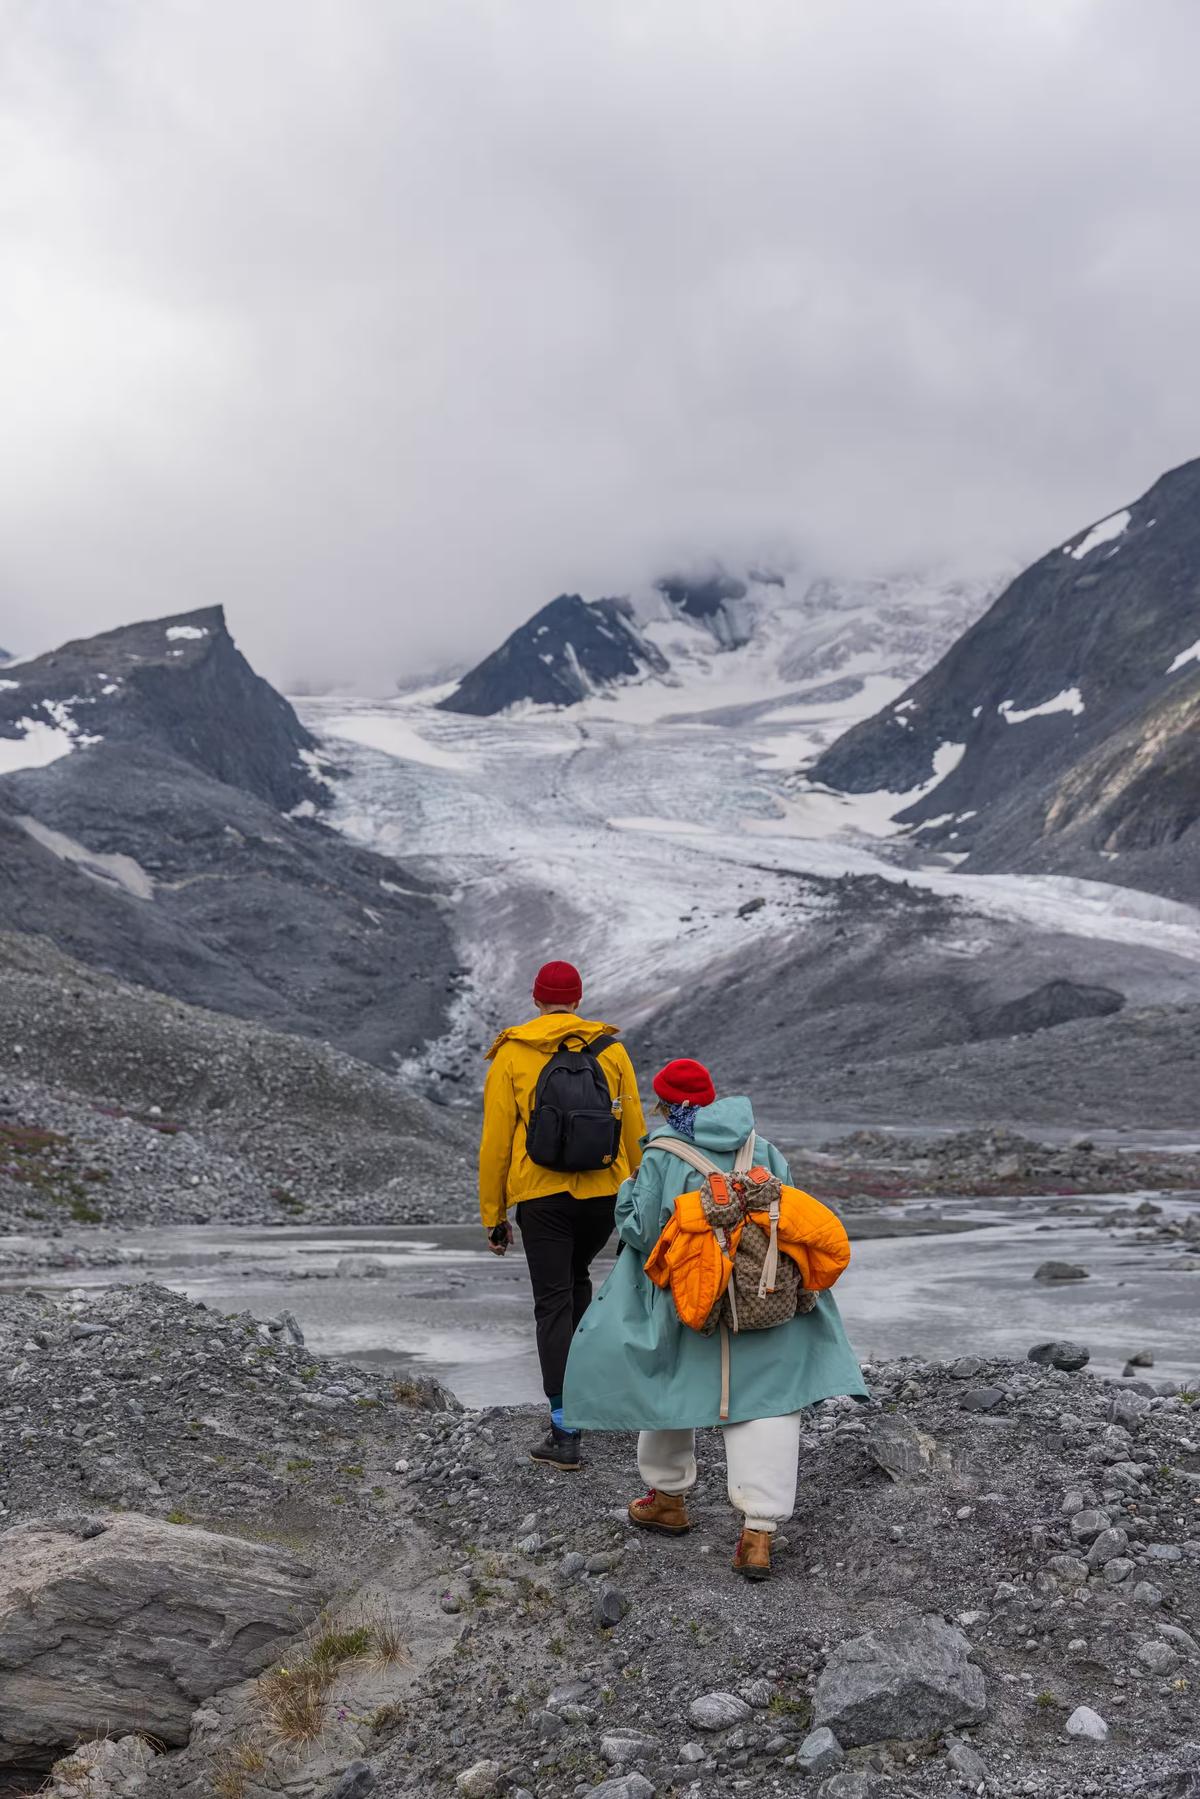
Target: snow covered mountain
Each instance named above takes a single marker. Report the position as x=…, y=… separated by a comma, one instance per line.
x=1062, y=730
x=653, y=832
x=564, y=652
x=158, y=820
x=800, y=648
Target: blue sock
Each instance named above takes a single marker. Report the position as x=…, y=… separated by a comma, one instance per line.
x=556, y=1416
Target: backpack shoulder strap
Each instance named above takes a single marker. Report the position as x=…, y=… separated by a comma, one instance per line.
x=686, y=1152
x=743, y=1162
x=599, y=1044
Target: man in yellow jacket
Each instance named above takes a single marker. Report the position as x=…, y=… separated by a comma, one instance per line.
x=564, y=1210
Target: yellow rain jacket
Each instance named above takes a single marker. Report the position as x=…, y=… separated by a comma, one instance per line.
x=517, y=1057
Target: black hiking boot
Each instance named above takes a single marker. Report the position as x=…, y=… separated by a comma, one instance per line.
x=558, y=1449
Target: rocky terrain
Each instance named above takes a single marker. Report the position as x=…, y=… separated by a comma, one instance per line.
x=118, y=1105
x=883, y=1002
x=991, y=1584
x=159, y=820
x=1073, y=707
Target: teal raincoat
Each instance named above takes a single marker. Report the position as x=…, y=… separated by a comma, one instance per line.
x=634, y=1366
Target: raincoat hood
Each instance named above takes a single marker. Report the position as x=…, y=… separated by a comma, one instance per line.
x=724, y=1125
x=546, y=1034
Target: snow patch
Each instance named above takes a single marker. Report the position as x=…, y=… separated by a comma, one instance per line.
x=315, y=764
x=9, y=686
x=41, y=743
x=1181, y=661
x=1104, y=532
x=38, y=746
x=1069, y=700
x=305, y=809
x=110, y=870
x=396, y=735
x=192, y=633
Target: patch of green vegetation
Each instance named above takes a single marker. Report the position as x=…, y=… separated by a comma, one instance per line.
x=178, y=1517
x=353, y=1469
x=788, y=1705
x=299, y=1464
x=337, y=1646
x=1045, y=1701
x=284, y=1197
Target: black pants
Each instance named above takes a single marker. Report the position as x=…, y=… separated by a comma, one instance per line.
x=561, y=1237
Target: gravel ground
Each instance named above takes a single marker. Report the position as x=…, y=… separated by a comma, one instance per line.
x=120, y=1106
x=576, y=1631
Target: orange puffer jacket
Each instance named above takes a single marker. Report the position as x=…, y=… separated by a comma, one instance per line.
x=689, y=1260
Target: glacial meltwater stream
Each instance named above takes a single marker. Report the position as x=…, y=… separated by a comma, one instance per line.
x=443, y=1306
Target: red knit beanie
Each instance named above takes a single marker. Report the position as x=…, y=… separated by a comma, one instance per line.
x=558, y=984
x=685, y=1083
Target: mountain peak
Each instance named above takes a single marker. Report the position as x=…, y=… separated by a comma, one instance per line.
x=178, y=683
x=1079, y=678
x=569, y=649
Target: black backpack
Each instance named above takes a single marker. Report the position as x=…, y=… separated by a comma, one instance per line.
x=575, y=1124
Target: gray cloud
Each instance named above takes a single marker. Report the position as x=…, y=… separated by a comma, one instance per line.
x=384, y=323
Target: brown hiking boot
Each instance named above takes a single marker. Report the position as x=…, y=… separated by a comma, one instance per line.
x=665, y=1512
x=752, y=1557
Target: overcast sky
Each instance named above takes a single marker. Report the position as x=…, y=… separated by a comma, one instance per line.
x=383, y=321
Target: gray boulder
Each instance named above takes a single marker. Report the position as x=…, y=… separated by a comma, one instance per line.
x=820, y=1753
x=1059, y=1271
x=1087, y=1724
x=355, y=1782
x=966, y=1762
x=477, y=1781
x=851, y=1783
x=905, y=1682
x=624, y=1746
x=718, y=1711
x=1070, y=1357
x=132, y=1629
x=106, y=1768
x=626, y=1786
x=901, y=1450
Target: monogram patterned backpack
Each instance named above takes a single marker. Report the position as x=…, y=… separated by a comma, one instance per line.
x=743, y=1252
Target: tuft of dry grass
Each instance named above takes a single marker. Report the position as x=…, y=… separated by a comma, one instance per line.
x=386, y=1639
x=294, y=1696
x=293, y=1699
x=233, y=1767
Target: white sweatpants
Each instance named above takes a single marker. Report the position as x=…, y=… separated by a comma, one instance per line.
x=761, y=1459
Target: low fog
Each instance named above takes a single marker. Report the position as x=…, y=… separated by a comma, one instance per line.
x=383, y=323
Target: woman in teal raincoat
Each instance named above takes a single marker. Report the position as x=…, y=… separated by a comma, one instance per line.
x=635, y=1366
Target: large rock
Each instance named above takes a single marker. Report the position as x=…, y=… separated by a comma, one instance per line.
x=106, y=1768
x=1070, y=1357
x=909, y=1681
x=132, y=1628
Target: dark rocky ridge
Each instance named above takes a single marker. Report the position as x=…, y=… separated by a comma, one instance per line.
x=1111, y=792
x=160, y=850
x=891, y=1003
x=183, y=682
x=557, y=657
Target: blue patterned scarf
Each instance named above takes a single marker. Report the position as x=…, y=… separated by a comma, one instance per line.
x=682, y=1120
